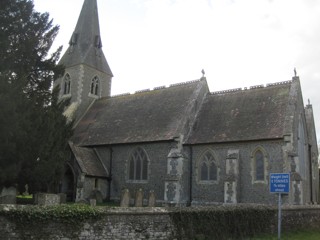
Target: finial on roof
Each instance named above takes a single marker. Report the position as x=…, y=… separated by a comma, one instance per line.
x=203, y=72
x=308, y=101
x=295, y=72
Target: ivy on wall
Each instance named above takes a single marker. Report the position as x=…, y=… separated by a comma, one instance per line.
x=223, y=222
x=73, y=213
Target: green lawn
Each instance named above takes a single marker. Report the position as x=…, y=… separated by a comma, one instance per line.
x=308, y=235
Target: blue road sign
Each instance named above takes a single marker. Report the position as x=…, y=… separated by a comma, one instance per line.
x=279, y=183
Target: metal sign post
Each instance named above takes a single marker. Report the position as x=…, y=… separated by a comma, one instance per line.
x=279, y=183
x=279, y=217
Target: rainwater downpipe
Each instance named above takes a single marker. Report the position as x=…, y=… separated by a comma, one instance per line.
x=110, y=174
x=310, y=173
x=190, y=177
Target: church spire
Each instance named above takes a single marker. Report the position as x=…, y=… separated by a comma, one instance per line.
x=87, y=74
x=85, y=46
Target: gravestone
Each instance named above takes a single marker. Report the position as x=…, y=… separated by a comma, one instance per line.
x=97, y=195
x=47, y=199
x=26, y=192
x=8, y=195
x=93, y=202
x=139, y=198
x=125, y=198
x=63, y=197
x=152, y=199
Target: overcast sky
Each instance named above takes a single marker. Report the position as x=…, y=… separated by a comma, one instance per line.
x=239, y=43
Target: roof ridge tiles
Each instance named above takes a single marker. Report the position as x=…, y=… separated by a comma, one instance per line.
x=120, y=95
x=279, y=83
x=160, y=87
x=226, y=91
x=257, y=86
x=251, y=87
x=143, y=90
x=184, y=83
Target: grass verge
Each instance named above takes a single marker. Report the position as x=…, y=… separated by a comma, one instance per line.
x=302, y=235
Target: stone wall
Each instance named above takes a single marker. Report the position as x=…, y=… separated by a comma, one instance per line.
x=133, y=223
x=228, y=188
x=249, y=191
x=157, y=169
x=80, y=77
x=46, y=199
x=138, y=223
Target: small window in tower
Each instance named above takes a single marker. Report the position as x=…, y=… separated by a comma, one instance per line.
x=66, y=84
x=74, y=39
x=96, y=186
x=94, y=89
x=97, y=42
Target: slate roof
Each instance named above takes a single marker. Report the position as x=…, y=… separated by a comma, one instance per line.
x=243, y=115
x=85, y=43
x=145, y=116
x=88, y=161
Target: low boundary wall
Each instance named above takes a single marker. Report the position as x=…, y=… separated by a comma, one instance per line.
x=158, y=223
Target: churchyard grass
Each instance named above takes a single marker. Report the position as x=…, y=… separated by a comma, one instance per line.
x=25, y=199
x=302, y=235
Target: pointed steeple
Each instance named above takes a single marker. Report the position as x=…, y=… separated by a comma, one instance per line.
x=85, y=46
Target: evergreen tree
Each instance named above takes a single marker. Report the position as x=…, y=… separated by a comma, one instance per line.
x=33, y=131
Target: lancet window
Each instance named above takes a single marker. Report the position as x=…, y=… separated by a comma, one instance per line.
x=66, y=84
x=94, y=89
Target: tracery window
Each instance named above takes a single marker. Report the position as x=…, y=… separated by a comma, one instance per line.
x=94, y=89
x=259, y=165
x=66, y=84
x=138, y=165
x=208, y=170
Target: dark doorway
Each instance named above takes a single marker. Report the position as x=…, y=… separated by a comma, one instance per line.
x=68, y=184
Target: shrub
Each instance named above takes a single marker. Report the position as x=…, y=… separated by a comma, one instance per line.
x=62, y=213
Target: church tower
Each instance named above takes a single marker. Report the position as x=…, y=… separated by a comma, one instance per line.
x=87, y=73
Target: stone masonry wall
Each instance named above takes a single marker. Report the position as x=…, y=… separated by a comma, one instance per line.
x=157, y=154
x=118, y=224
x=136, y=223
x=249, y=192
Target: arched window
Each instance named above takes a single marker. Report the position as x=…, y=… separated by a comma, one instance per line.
x=259, y=162
x=208, y=170
x=138, y=165
x=259, y=165
x=94, y=89
x=66, y=84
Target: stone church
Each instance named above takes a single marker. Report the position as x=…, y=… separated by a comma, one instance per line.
x=184, y=143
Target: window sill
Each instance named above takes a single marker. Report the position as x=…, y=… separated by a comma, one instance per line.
x=259, y=182
x=209, y=182
x=93, y=96
x=137, y=181
x=66, y=95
